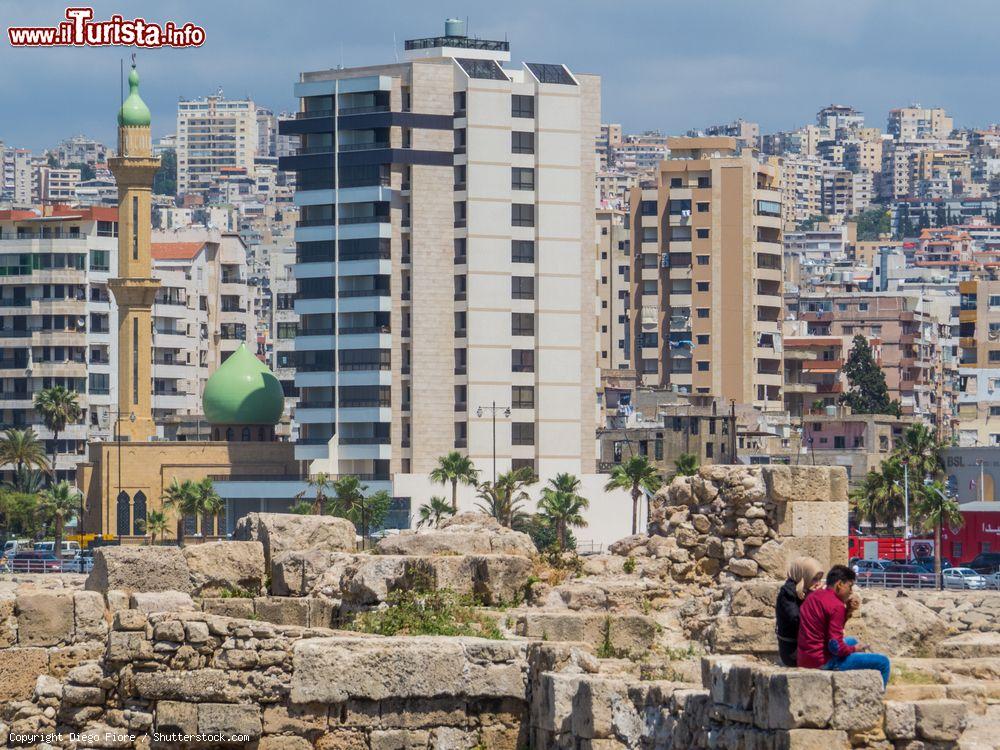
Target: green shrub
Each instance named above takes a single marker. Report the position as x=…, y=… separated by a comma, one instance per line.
x=236, y=592
x=629, y=565
x=416, y=612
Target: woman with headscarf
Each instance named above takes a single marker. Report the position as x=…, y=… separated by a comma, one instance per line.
x=805, y=574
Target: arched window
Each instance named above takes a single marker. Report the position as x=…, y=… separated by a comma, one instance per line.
x=245, y=435
x=260, y=434
x=123, y=516
x=229, y=434
x=139, y=513
x=216, y=434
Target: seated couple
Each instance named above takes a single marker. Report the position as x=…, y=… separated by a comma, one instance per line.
x=811, y=618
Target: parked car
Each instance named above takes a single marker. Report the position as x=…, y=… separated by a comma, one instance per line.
x=12, y=546
x=69, y=549
x=985, y=562
x=871, y=571
x=927, y=563
x=915, y=576
x=35, y=561
x=962, y=578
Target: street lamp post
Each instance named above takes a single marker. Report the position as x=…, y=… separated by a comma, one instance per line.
x=981, y=465
x=493, y=408
x=906, y=508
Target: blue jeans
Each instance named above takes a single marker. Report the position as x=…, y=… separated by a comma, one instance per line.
x=860, y=661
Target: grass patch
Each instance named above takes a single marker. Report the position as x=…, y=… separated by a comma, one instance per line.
x=236, y=592
x=901, y=675
x=413, y=612
x=629, y=565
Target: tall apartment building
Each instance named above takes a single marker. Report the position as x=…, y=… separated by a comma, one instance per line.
x=54, y=185
x=864, y=154
x=15, y=176
x=608, y=141
x=445, y=263
x=979, y=362
x=284, y=323
x=213, y=134
x=707, y=274
x=747, y=134
x=801, y=188
x=840, y=120
x=918, y=123
x=846, y=193
x=613, y=290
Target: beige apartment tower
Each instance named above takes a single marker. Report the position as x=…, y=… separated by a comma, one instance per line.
x=707, y=274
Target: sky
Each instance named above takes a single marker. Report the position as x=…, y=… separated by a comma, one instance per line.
x=669, y=65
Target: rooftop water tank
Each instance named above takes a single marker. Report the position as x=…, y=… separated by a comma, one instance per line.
x=454, y=27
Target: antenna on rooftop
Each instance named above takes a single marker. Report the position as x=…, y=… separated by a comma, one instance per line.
x=395, y=49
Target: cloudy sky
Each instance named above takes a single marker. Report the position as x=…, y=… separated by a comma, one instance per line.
x=666, y=64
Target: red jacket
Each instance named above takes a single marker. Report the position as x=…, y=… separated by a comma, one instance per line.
x=821, y=629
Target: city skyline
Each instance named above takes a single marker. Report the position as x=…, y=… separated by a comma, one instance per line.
x=776, y=66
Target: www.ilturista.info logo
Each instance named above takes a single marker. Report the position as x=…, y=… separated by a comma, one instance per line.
x=80, y=30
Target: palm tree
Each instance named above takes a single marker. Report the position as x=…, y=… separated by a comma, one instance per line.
x=185, y=500
x=366, y=512
x=879, y=499
x=455, y=468
x=935, y=508
x=561, y=504
x=920, y=446
x=686, y=465
x=22, y=448
x=320, y=485
x=156, y=524
x=210, y=505
x=434, y=511
x=27, y=480
x=59, y=502
x=58, y=407
x=636, y=475
x=504, y=499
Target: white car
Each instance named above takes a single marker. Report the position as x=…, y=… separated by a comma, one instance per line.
x=962, y=578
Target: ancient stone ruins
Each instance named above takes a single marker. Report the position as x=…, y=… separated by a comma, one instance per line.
x=666, y=642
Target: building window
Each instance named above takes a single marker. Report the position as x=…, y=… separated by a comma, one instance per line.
x=679, y=207
x=647, y=208
x=522, y=251
x=522, y=397
x=702, y=234
x=522, y=433
x=522, y=178
x=522, y=360
x=522, y=106
x=703, y=312
x=522, y=143
x=702, y=339
x=701, y=286
x=702, y=260
x=702, y=207
x=287, y=330
x=704, y=182
x=522, y=324
x=523, y=463
x=522, y=287
x=703, y=366
x=675, y=182
x=522, y=215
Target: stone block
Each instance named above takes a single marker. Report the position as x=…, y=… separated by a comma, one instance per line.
x=279, y=532
x=237, y=607
x=343, y=739
x=196, y=685
x=296, y=572
x=815, y=484
x=423, y=713
x=218, y=566
x=940, y=720
x=44, y=618
x=284, y=743
x=809, y=739
x=90, y=616
x=130, y=619
x=19, y=670
x=307, y=720
x=322, y=612
x=64, y=658
x=900, y=720
x=857, y=700
x=793, y=699
x=228, y=720
x=814, y=519
x=8, y=620
x=753, y=599
x=329, y=670
x=628, y=633
x=743, y=635
x=464, y=534
x=162, y=601
x=399, y=739
x=141, y=569
x=282, y=610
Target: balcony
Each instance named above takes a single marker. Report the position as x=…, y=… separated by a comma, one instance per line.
x=369, y=146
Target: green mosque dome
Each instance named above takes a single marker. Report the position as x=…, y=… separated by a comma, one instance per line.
x=134, y=112
x=243, y=391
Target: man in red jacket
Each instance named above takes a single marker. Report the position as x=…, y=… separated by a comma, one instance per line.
x=822, y=644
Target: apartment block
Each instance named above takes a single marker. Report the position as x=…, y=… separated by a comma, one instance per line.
x=864, y=154
x=747, y=134
x=801, y=188
x=846, y=193
x=213, y=134
x=919, y=123
x=979, y=362
x=54, y=185
x=909, y=336
x=446, y=263
x=81, y=150
x=707, y=274
x=614, y=288
x=15, y=176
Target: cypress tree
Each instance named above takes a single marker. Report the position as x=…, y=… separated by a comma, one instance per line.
x=868, y=393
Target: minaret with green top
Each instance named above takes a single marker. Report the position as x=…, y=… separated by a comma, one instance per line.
x=134, y=289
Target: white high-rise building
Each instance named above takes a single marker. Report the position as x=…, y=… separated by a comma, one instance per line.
x=214, y=135
x=446, y=288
